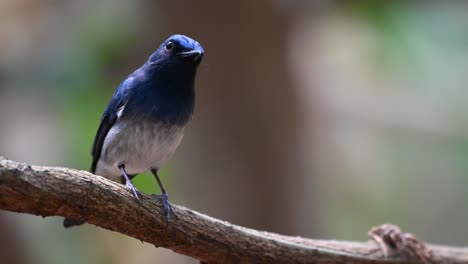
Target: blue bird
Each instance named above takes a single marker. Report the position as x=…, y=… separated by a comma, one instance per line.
x=145, y=119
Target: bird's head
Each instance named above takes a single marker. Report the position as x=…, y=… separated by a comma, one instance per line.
x=167, y=79
x=179, y=53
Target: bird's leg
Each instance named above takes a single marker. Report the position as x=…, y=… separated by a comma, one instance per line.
x=129, y=183
x=164, y=197
x=122, y=178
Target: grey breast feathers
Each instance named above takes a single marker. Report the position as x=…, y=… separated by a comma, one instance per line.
x=139, y=145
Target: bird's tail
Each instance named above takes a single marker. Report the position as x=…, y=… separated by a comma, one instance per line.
x=69, y=222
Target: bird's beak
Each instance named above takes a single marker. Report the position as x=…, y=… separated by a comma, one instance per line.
x=194, y=55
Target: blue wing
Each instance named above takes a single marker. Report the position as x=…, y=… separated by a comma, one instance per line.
x=109, y=118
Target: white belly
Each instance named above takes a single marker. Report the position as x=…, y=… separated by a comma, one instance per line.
x=141, y=147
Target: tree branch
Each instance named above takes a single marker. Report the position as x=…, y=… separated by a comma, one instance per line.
x=54, y=191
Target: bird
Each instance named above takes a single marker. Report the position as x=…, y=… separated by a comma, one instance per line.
x=144, y=121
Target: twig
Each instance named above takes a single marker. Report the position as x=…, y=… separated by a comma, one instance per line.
x=54, y=191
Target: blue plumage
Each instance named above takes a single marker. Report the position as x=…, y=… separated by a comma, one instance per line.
x=145, y=119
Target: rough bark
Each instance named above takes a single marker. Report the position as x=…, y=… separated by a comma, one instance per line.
x=54, y=191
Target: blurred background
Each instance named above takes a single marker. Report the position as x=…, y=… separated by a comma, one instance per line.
x=313, y=118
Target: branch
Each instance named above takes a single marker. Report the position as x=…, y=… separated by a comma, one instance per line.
x=54, y=191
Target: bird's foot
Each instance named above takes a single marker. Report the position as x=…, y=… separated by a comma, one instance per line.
x=134, y=191
x=164, y=198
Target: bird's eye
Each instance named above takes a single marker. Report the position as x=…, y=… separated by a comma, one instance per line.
x=169, y=45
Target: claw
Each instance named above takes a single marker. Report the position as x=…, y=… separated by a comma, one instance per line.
x=129, y=183
x=134, y=191
x=166, y=205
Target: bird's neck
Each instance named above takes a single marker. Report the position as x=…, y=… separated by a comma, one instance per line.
x=169, y=97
